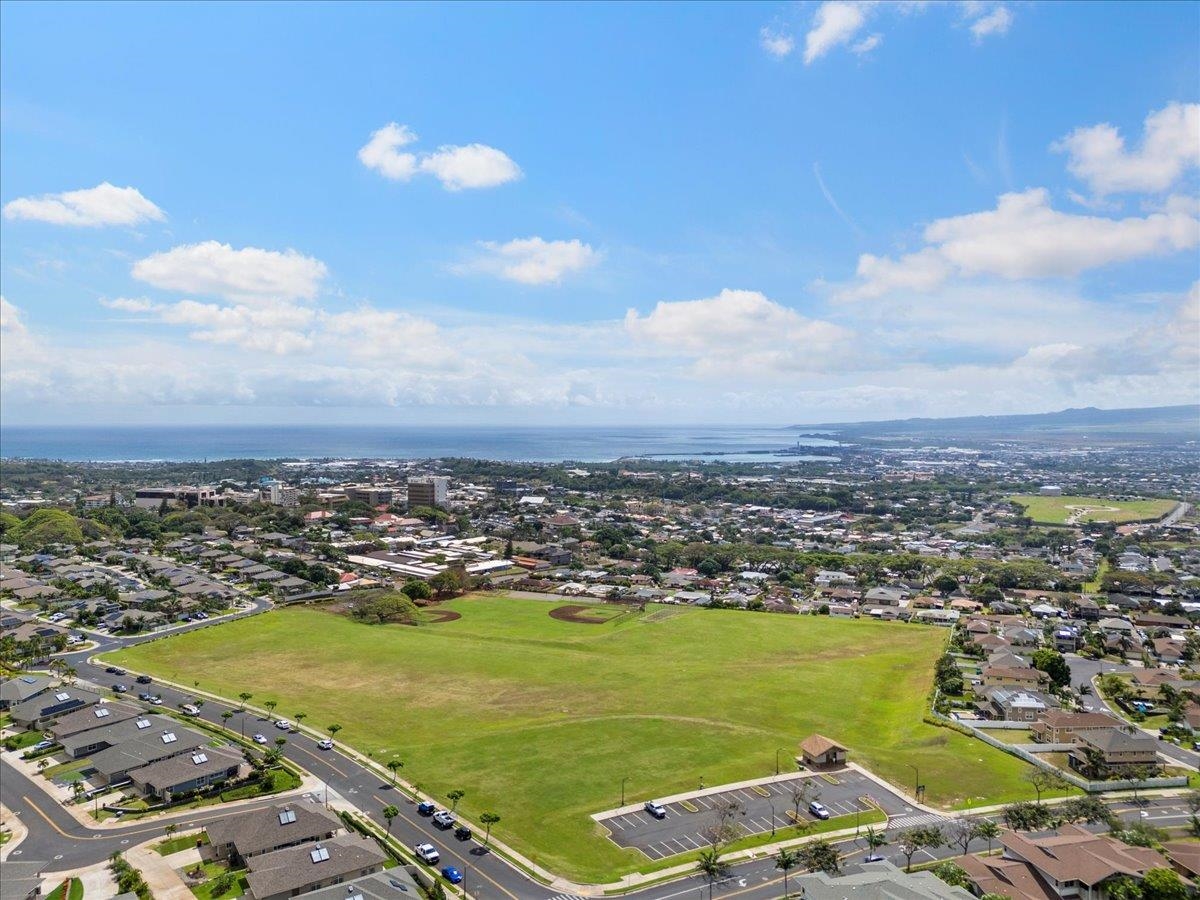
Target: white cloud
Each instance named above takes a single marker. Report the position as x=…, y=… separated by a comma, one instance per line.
x=382, y=152
x=1024, y=238
x=10, y=318
x=533, y=260
x=104, y=204
x=248, y=275
x=457, y=168
x=867, y=44
x=740, y=331
x=472, y=166
x=836, y=22
x=998, y=21
x=1170, y=147
x=777, y=43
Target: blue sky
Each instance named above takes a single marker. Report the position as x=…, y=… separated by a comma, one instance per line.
x=597, y=212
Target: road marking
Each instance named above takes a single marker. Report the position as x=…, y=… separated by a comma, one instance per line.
x=320, y=759
x=37, y=809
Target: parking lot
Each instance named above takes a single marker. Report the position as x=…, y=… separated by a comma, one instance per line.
x=764, y=806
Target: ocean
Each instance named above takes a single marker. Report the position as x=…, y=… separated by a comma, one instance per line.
x=545, y=444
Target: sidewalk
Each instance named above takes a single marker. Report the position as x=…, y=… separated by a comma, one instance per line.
x=164, y=882
x=16, y=826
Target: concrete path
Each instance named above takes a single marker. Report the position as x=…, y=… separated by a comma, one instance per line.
x=16, y=826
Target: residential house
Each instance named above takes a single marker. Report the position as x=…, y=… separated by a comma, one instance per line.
x=1113, y=751
x=187, y=772
x=39, y=710
x=18, y=690
x=1073, y=863
x=1057, y=726
x=240, y=837
x=297, y=870
x=1008, y=675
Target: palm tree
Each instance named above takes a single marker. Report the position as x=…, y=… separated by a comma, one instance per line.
x=394, y=764
x=987, y=830
x=454, y=796
x=875, y=839
x=488, y=819
x=390, y=812
x=711, y=866
x=786, y=859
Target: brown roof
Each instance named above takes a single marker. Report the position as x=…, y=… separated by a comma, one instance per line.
x=1075, y=854
x=1185, y=855
x=818, y=744
x=1006, y=877
x=1059, y=718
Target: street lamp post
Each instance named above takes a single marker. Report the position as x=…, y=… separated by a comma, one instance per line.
x=917, y=785
x=623, y=780
x=771, y=803
x=777, y=749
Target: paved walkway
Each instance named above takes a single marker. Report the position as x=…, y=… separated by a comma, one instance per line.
x=16, y=826
x=164, y=882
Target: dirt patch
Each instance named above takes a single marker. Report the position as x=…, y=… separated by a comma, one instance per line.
x=580, y=615
x=438, y=616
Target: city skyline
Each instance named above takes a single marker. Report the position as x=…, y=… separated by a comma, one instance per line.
x=767, y=213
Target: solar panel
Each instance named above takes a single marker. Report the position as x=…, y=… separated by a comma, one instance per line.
x=169, y=737
x=320, y=854
x=62, y=696
x=287, y=816
x=199, y=758
x=29, y=679
x=143, y=723
x=102, y=713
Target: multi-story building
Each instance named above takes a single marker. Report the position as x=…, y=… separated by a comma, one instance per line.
x=429, y=490
x=369, y=494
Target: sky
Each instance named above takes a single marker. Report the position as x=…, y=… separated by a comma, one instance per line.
x=596, y=213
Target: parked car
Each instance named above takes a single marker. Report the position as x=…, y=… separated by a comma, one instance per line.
x=259, y=739
x=190, y=710
x=283, y=725
x=656, y=809
x=443, y=819
x=425, y=808
x=325, y=744
x=144, y=697
x=427, y=853
x=452, y=875
x=818, y=810
x=144, y=679
x=120, y=688
x=156, y=700
x=41, y=745
x=113, y=670
x=463, y=833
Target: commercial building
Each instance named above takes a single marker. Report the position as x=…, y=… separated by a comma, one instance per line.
x=179, y=495
x=429, y=490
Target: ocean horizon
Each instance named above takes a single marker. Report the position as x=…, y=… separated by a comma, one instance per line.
x=191, y=443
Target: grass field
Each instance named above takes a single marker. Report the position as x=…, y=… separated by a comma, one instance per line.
x=1071, y=510
x=540, y=719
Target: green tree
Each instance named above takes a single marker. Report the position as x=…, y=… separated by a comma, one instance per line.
x=711, y=866
x=1053, y=664
x=1163, y=884
x=270, y=705
x=945, y=584
x=1043, y=781
x=913, y=840
x=390, y=812
x=1027, y=816
x=245, y=696
x=454, y=796
x=395, y=765
x=488, y=819
x=820, y=856
x=952, y=873
x=333, y=730
x=786, y=860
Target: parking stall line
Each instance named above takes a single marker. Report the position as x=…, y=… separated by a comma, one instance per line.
x=614, y=821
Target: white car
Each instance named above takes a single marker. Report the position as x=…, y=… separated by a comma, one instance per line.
x=818, y=810
x=283, y=725
x=189, y=710
x=259, y=739
x=325, y=744
x=656, y=809
x=427, y=853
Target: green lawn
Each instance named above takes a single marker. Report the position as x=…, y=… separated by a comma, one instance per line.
x=74, y=891
x=539, y=719
x=1057, y=510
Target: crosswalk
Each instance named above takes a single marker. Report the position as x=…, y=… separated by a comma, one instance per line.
x=915, y=821
x=567, y=897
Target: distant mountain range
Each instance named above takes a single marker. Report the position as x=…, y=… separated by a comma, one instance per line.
x=1155, y=424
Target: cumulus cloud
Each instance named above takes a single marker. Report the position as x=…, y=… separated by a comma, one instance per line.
x=998, y=21
x=382, y=152
x=472, y=166
x=867, y=44
x=1170, y=147
x=738, y=330
x=836, y=22
x=104, y=204
x=248, y=275
x=456, y=167
x=10, y=318
x=532, y=260
x=776, y=43
x=1023, y=237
